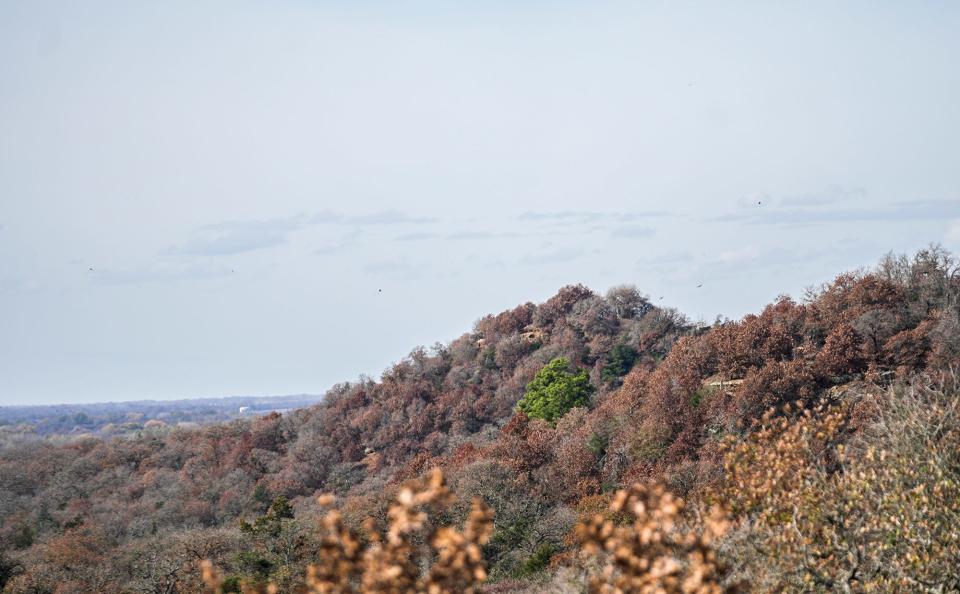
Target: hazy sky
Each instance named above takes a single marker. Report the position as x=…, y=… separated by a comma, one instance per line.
x=244, y=178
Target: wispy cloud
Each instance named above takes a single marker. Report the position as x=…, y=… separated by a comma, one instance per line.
x=385, y=217
x=830, y=195
x=416, y=236
x=227, y=238
x=633, y=232
x=554, y=256
x=343, y=243
x=160, y=272
x=586, y=216
x=394, y=269
x=471, y=235
x=235, y=237
x=834, y=194
x=915, y=210
x=952, y=236
x=481, y=235
x=388, y=217
x=664, y=262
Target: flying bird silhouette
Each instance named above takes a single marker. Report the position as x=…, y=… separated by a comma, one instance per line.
x=699, y=285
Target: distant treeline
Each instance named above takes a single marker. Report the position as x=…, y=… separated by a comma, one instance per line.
x=120, y=417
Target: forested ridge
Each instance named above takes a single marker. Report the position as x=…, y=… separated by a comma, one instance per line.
x=826, y=429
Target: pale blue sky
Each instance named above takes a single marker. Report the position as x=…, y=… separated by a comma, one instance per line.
x=244, y=178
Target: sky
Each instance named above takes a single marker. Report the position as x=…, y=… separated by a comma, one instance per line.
x=249, y=198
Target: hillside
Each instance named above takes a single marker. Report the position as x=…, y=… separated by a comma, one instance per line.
x=542, y=411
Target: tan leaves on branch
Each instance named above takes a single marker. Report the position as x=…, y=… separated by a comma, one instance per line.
x=652, y=555
x=412, y=556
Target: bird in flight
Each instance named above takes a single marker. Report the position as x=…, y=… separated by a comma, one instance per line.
x=91, y=268
x=699, y=285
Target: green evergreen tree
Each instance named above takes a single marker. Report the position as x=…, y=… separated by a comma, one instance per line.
x=555, y=390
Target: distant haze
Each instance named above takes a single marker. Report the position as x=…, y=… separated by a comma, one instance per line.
x=215, y=198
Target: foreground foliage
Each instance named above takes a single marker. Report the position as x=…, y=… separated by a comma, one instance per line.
x=394, y=562
x=649, y=555
x=875, y=512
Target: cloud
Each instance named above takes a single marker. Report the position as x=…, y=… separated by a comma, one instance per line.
x=159, y=273
x=915, y=210
x=19, y=284
x=739, y=256
x=633, y=232
x=952, y=237
x=468, y=235
x=830, y=195
x=557, y=256
x=384, y=217
x=669, y=264
x=480, y=235
x=345, y=242
x=389, y=217
x=586, y=216
x=326, y=216
x=736, y=262
x=236, y=237
x=754, y=200
x=395, y=269
x=416, y=236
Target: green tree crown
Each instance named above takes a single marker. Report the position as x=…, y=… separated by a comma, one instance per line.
x=555, y=390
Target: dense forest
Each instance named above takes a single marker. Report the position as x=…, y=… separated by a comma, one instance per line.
x=593, y=441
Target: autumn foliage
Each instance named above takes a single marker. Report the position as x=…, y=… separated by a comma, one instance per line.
x=823, y=420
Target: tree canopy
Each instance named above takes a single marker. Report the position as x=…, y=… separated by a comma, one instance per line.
x=555, y=390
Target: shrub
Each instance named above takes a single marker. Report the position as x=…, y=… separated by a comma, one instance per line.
x=876, y=512
x=394, y=562
x=555, y=390
x=651, y=554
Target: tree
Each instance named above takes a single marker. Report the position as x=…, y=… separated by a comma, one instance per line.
x=276, y=544
x=628, y=302
x=7, y=569
x=555, y=390
x=621, y=360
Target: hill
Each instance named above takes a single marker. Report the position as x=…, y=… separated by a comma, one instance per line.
x=542, y=412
